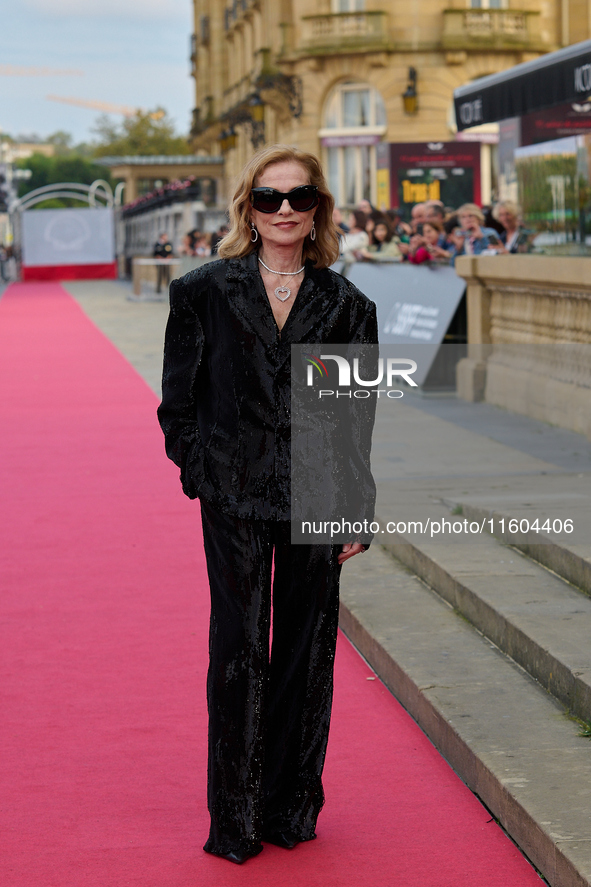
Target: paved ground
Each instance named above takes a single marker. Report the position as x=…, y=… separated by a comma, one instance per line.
x=502, y=725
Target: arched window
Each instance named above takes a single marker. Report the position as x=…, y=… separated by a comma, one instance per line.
x=354, y=121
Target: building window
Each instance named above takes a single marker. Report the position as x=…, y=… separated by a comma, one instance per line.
x=204, y=30
x=487, y=4
x=348, y=5
x=354, y=121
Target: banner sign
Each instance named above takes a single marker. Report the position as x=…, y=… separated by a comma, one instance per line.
x=554, y=78
x=416, y=304
x=66, y=237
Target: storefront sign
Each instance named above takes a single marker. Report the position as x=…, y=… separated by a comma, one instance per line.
x=446, y=171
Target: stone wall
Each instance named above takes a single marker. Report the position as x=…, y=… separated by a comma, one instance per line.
x=529, y=336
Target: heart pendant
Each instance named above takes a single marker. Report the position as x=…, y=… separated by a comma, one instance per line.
x=282, y=289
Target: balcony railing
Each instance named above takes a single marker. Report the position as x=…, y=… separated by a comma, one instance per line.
x=495, y=28
x=356, y=31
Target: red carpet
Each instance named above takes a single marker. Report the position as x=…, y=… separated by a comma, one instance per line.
x=104, y=654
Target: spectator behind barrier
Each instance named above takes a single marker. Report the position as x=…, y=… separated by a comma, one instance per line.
x=417, y=216
x=357, y=238
x=3, y=263
x=401, y=229
x=384, y=246
x=372, y=220
x=202, y=247
x=425, y=245
x=162, y=250
x=477, y=238
x=436, y=241
x=515, y=237
x=365, y=206
x=216, y=237
x=435, y=212
x=455, y=244
x=337, y=218
x=188, y=242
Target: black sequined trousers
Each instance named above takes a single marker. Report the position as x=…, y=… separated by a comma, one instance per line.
x=269, y=716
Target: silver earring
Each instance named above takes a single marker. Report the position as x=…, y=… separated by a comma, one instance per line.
x=255, y=232
x=313, y=231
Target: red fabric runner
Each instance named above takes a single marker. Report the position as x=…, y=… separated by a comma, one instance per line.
x=104, y=615
x=105, y=270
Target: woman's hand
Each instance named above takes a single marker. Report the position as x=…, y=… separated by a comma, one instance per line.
x=350, y=549
x=438, y=252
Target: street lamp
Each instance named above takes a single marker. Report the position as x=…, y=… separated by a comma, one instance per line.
x=232, y=138
x=410, y=99
x=223, y=140
x=257, y=113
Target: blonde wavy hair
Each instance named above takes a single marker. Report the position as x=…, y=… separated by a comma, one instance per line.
x=473, y=209
x=323, y=251
x=510, y=206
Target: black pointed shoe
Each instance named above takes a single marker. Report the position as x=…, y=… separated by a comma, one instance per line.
x=238, y=856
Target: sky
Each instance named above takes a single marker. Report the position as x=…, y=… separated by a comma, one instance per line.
x=127, y=52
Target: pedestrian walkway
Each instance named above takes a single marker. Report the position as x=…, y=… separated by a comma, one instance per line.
x=105, y=652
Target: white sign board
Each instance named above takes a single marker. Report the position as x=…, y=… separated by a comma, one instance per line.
x=415, y=303
x=68, y=236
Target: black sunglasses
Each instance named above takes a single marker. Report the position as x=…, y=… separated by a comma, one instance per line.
x=269, y=200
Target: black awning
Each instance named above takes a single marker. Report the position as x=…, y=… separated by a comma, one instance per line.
x=563, y=76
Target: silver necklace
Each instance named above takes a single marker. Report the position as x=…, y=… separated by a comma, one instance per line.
x=279, y=290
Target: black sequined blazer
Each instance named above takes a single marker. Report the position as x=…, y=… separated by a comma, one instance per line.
x=225, y=408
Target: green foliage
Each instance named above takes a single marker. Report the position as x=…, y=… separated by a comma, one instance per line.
x=61, y=168
x=62, y=141
x=147, y=133
x=534, y=175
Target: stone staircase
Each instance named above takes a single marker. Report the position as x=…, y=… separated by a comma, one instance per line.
x=489, y=650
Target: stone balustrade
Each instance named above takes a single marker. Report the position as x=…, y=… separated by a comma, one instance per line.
x=529, y=336
x=510, y=28
x=361, y=30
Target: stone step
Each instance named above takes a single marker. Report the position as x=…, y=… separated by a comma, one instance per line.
x=507, y=738
x=563, y=559
x=534, y=616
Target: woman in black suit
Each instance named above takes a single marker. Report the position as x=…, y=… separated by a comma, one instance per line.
x=225, y=413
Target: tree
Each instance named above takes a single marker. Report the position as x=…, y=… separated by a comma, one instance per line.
x=147, y=133
x=62, y=142
x=61, y=168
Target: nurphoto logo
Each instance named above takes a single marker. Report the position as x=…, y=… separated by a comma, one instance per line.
x=389, y=368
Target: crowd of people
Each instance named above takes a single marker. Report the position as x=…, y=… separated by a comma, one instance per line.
x=435, y=233
x=196, y=243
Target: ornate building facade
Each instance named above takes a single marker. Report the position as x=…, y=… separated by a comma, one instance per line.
x=337, y=76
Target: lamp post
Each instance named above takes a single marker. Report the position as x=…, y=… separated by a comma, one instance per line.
x=410, y=99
